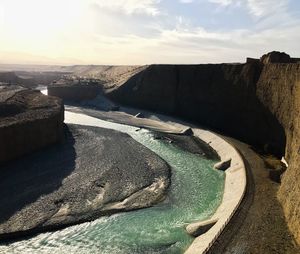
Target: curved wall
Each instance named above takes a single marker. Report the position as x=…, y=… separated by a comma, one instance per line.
x=256, y=103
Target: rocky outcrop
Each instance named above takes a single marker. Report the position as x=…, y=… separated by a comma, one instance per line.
x=279, y=90
x=75, y=93
x=276, y=57
x=12, y=78
x=29, y=121
x=257, y=102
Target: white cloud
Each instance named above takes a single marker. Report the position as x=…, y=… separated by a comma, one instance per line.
x=262, y=8
x=148, y=7
x=257, y=8
x=222, y=2
x=114, y=34
x=186, y=1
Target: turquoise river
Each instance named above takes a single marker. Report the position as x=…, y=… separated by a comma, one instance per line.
x=194, y=194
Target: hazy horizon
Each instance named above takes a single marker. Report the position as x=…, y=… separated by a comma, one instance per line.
x=140, y=32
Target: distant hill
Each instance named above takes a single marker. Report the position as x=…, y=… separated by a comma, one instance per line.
x=111, y=75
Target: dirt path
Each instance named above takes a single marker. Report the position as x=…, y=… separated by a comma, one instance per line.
x=259, y=226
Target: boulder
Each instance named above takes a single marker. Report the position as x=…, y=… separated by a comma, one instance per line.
x=223, y=165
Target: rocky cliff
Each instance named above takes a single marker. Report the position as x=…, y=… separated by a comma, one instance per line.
x=222, y=97
x=279, y=90
x=29, y=120
x=76, y=92
x=257, y=102
x=12, y=78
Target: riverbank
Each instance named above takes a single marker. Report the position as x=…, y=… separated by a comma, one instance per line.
x=235, y=180
x=158, y=229
x=259, y=225
x=79, y=181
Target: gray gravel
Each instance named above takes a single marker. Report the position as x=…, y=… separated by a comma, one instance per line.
x=94, y=172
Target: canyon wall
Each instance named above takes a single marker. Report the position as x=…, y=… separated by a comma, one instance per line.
x=279, y=90
x=75, y=92
x=254, y=102
x=12, y=78
x=30, y=79
x=29, y=121
x=222, y=97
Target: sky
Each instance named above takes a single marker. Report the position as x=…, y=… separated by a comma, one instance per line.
x=138, y=32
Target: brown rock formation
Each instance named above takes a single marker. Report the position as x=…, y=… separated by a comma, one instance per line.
x=217, y=95
x=255, y=102
x=276, y=57
x=75, y=93
x=28, y=121
x=279, y=90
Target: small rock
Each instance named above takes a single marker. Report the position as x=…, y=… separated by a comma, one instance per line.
x=223, y=165
x=199, y=228
x=188, y=132
x=139, y=115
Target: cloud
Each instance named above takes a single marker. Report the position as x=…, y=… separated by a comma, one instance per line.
x=262, y=8
x=258, y=8
x=222, y=2
x=186, y=1
x=194, y=45
x=145, y=31
x=130, y=7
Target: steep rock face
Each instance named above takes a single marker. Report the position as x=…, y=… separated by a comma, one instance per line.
x=279, y=89
x=255, y=102
x=154, y=88
x=221, y=96
x=28, y=121
x=74, y=92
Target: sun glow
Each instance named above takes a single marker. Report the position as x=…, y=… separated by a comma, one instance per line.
x=144, y=31
x=38, y=26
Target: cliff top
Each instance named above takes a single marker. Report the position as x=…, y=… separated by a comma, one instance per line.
x=18, y=105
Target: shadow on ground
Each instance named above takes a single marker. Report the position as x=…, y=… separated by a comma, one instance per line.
x=25, y=180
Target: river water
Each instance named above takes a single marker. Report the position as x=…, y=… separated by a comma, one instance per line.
x=195, y=193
